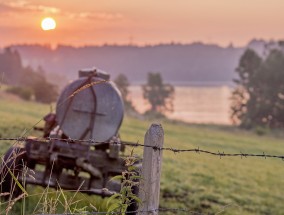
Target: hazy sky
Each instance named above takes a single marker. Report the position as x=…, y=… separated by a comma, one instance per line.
x=87, y=22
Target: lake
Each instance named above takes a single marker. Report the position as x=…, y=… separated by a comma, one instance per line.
x=195, y=104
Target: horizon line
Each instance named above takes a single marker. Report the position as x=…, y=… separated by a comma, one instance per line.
x=55, y=46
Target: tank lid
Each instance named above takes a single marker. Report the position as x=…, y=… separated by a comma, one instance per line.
x=90, y=72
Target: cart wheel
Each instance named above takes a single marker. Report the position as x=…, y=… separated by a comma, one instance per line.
x=14, y=160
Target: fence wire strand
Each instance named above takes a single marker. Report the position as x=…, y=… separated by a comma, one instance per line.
x=92, y=142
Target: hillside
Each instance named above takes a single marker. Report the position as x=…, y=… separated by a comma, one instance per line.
x=194, y=62
x=202, y=183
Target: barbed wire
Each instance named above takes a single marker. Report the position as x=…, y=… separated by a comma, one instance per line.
x=92, y=142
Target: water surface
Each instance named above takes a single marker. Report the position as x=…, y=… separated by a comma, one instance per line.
x=196, y=104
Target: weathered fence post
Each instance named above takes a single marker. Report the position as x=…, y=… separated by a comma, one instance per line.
x=149, y=188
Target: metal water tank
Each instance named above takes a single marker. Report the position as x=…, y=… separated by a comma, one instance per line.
x=90, y=107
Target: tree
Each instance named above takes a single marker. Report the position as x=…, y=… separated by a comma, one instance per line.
x=259, y=96
x=25, y=81
x=122, y=84
x=158, y=94
x=44, y=91
x=244, y=96
x=10, y=66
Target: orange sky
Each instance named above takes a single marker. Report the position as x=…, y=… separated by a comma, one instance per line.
x=89, y=22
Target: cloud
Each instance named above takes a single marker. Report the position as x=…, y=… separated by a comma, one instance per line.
x=98, y=16
x=4, y=8
x=45, y=9
x=25, y=6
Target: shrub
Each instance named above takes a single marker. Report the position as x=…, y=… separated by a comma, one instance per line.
x=25, y=93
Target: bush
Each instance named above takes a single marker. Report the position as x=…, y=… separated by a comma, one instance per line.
x=260, y=130
x=25, y=93
x=45, y=92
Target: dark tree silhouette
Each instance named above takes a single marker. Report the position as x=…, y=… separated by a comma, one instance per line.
x=158, y=94
x=10, y=66
x=25, y=81
x=258, y=99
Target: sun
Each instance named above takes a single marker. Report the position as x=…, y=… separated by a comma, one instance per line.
x=48, y=23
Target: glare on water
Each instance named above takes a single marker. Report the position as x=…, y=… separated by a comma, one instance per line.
x=196, y=104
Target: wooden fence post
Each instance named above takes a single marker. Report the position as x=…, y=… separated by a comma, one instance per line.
x=149, y=188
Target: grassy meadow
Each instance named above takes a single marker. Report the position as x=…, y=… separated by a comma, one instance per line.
x=199, y=182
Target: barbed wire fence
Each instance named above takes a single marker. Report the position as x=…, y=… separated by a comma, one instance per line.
x=198, y=150
x=155, y=148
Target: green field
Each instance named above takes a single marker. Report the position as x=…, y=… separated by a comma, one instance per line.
x=199, y=182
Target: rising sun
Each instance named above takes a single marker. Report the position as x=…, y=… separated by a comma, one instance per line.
x=48, y=23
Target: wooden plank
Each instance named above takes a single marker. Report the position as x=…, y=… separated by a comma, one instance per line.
x=149, y=188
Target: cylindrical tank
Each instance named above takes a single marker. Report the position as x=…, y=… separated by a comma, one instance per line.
x=90, y=107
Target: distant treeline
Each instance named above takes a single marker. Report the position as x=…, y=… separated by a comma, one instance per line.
x=26, y=82
x=196, y=62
